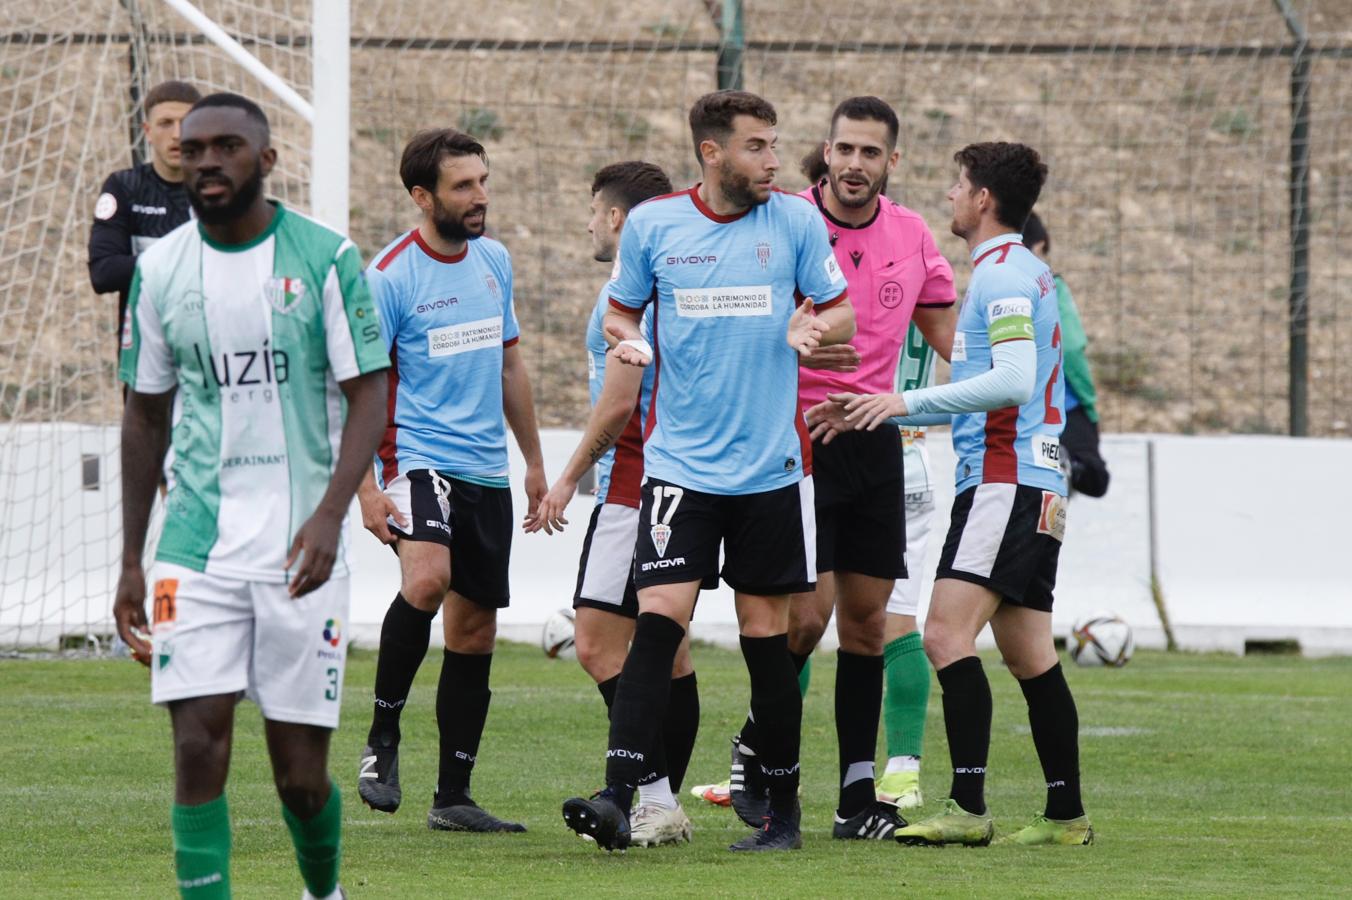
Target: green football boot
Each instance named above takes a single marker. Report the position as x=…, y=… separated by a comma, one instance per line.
x=1043, y=830
x=951, y=825
x=901, y=789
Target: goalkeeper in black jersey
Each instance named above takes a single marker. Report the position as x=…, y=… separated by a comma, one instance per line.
x=137, y=206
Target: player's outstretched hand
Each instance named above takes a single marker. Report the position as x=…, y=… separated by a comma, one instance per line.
x=129, y=611
x=833, y=358
x=805, y=329
x=536, y=487
x=631, y=350
x=868, y=411
x=376, y=511
x=827, y=419
x=549, y=514
x=316, y=546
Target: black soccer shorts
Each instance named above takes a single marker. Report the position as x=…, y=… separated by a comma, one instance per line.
x=861, y=503
x=769, y=539
x=1006, y=537
x=605, y=572
x=473, y=520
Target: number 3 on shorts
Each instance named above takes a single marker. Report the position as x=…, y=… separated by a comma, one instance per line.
x=670, y=492
x=331, y=692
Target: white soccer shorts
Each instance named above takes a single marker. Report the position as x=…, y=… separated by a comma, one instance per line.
x=214, y=635
x=905, y=599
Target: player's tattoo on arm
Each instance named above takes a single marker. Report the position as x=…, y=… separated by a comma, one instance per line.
x=600, y=446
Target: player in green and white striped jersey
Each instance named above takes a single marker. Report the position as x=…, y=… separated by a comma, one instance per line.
x=906, y=671
x=253, y=329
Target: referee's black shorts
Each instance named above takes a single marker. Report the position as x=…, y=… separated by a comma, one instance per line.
x=861, y=503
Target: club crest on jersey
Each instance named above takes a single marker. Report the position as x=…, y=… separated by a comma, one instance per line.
x=661, y=536
x=126, y=330
x=763, y=254
x=492, y=284
x=284, y=293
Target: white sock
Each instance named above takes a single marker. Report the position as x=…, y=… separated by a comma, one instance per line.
x=903, y=764
x=657, y=793
x=336, y=895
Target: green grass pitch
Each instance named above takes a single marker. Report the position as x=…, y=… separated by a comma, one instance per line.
x=1204, y=775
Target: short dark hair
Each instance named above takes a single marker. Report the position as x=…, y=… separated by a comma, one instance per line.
x=421, y=163
x=813, y=166
x=712, y=115
x=1034, y=233
x=235, y=101
x=627, y=184
x=868, y=109
x=1013, y=173
x=170, y=92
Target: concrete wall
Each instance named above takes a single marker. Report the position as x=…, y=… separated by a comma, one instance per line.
x=1250, y=533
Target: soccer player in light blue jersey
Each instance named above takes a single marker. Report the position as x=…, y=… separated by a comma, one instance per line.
x=733, y=269
x=998, y=566
x=605, y=602
x=443, y=501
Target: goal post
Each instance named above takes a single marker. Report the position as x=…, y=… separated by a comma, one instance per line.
x=328, y=112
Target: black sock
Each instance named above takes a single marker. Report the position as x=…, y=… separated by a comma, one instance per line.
x=859, y=701
x=640, y=703
x=749, y=736
x=462, y=708
x=404, y=638
x=680, y=728
x=967, y=719
x=607, y=689
x=778, y=709
x=1056, y=726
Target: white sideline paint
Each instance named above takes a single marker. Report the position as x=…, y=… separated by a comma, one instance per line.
x=1239, y=558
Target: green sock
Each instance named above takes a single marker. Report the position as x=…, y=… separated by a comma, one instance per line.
x=907, y=676
x=805, y=677
x=202, y=849
x=319, y=844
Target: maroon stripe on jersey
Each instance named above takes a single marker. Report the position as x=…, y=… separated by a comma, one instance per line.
x=395, y=251
x=1003, y=250
x=657, y=377
x=709, y=213
x=804, y=438
x=832, y=302
x=626, y=473
x=511, y=343
x=673, y=194
x=439, y=257
x=1001, y=462
x=389, y=444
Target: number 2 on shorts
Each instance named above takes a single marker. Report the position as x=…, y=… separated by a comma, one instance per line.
x=670, y=492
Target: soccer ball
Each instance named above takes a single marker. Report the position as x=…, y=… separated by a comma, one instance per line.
x=557, y=638
x=1101, y=639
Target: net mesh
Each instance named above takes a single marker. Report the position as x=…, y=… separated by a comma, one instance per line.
x=1166, y=126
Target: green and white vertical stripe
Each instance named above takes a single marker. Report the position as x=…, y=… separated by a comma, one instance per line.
x=257, y=337
x=915, y=369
